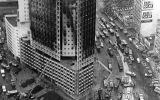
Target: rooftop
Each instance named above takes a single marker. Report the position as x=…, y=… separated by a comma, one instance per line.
x=7, y=3
x=12, y=20
x=69, y=63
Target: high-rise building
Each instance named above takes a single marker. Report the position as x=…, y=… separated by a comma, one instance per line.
x=129, y=12
x=157, y=39
x=137, y=12
x=12, y=34
x=16, y=27
x=62, y=42
x=23, y=11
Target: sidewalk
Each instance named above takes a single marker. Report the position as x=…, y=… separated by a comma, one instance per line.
x=154, y=68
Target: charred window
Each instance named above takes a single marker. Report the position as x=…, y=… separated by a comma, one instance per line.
x=43, y=22
x=88, y=14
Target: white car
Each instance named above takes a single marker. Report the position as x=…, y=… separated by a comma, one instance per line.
x=3, y=72
x=130, y=39
x=141, y=96
x=147, y=59
x=138, y=60
x=131, y=73
x=4, y=88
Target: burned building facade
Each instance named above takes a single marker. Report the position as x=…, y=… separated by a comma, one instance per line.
x=62, y=35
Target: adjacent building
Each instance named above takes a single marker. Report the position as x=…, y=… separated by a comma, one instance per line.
x=23, y=11
x=61, y=43
x=17, y=26
x=157, y=39
x=148, y=20
x=12, y=34
x=137, y=13
x=129, y=12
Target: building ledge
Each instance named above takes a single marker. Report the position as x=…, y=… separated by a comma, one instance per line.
x=12, y=20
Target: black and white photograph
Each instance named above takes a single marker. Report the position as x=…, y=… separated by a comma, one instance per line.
x=79, y=49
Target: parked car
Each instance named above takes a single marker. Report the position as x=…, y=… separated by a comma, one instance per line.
x=131, y=73
x=138, y=60
x=4, y=88
x=131, y=57
x=36, y=89
x=12, y=63
x=148, y=73
x=110, y=52
x=129, y=62
x=1, y=57
x=4, y=65
x=157, y=89
x=143, y=63
x=3, y=73
x=129, y=35
x=130, y=39
x=147, y=59
x=141, y=97
x=28, y=82
x=144, y=56
x=110, y=66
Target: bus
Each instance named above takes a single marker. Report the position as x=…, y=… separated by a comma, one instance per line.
x=120, y=64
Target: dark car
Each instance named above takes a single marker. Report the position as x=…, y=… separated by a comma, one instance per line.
x=28, y=82
x=17, y=70
x=36, y=89
x=110, y=52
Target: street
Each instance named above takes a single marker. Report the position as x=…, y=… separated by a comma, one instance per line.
x=142, y=82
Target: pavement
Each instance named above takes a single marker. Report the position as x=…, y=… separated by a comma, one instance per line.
x=101, y=67
x=126, y=69
x=142, y=83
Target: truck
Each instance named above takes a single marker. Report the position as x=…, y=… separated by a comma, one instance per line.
x=120, y=64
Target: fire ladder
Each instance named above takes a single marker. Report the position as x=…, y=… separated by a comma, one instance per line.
x=42, y=72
